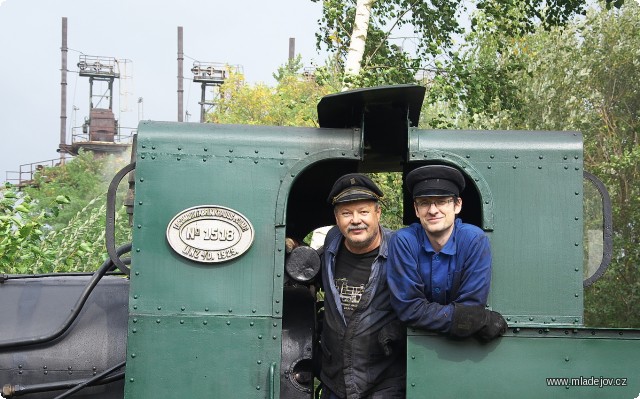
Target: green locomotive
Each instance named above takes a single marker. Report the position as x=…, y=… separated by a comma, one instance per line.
x=216, y=307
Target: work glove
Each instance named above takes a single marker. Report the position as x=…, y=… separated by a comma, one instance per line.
x=469, y=320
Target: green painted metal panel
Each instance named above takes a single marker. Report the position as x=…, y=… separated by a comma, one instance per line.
x=250, y=170
x=530, y=185
x=519, y=364
x=202, y=357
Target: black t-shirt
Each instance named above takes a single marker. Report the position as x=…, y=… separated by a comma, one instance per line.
x=351, y=276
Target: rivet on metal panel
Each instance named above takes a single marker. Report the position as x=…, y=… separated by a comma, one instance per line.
x=141, y=179
x=230, y=310
x=153, y=157
x=576, y=295
x=517, y=156
x=344, y=153
x=516, y=330
x=306, y=153
x=508, y=318
x=413, y=357
x=204, y=159
x=514, y=166
x=576, y=218
x=206, y=149
x=134, y=331
x=142, y=156
x=492, y=156
x=260, y=336
x=413, y=384
x=46, y=372
x=204, y=322
x=258, y=388
x=252, y=324
x=135, y=306
x=182, y=308
x=133, y=355
x=278, y=275
x=281, y=152
x=279, y=249
x=228, y=323
x=565, y=157
x=292, y=175
x=253, y=310
x=255, y=161
x=135, y=320
x=181, y=321
x=577, y=269
x=274, y=337
x=256, y=151
x=131, y=380
x=259, y=361
x=576, y=320
x=488, y=166
x=531, y=318
x=230, y=149
x=540, y=157
x=159, y=307
x=153, y=147
x=576, y=244
x=566, y=359
x=277, y=311
x=158, y=321
x=231, y=161
x=468, y=156
x=277, y=301
x=139, y=202
x=206, y=309
x=577, y=168
x=137, y=249
x=486, y=202
x=135, y=297
x=575, y=157
x=275, y=324
x=577, y=193
x=281, y=162
x=553, y=319
x=178, y=158
x=144, y=146
x=139, y=226
x=540, y=167
x=566, y=167
x=137, y=273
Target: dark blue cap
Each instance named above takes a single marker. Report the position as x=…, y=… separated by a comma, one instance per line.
x=436, y=181
x=354, y=187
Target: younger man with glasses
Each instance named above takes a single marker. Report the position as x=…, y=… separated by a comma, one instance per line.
x=439, y=270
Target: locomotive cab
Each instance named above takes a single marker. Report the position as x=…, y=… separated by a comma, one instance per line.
x=221, y=298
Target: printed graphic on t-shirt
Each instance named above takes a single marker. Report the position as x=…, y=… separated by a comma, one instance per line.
x=349, y=295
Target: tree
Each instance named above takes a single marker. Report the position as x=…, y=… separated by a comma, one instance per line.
x=583, y=77
x=291, y=103
x=431, y=27
x=58, y=225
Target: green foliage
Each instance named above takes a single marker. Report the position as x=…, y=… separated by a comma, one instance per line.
x=291, y=103
x=53, y=226
x=584, y=77
x=425, y=34
x=391, y=186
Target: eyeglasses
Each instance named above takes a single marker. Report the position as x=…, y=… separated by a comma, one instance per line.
x=439, y=203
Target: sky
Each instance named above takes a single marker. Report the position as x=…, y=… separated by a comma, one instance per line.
x=251, y=33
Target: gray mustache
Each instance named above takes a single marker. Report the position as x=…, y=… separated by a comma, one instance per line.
x=358, y=227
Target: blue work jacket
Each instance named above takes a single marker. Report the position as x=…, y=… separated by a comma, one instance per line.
x=353, y=359
x=424, y=283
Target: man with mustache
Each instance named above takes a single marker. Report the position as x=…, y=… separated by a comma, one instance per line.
x=363, y=343
x=439, y=270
